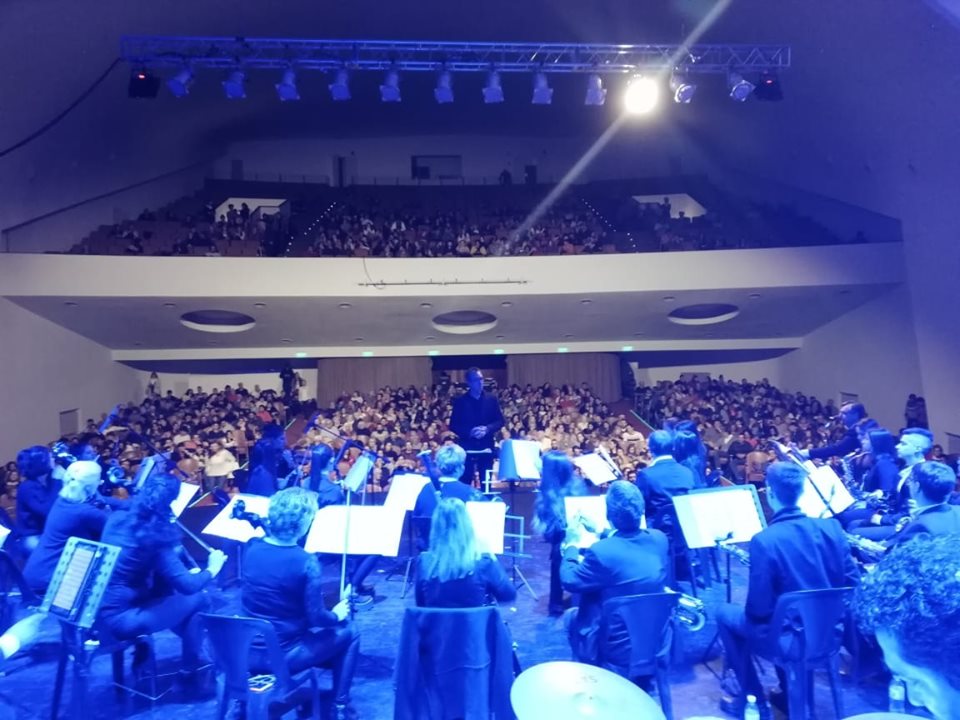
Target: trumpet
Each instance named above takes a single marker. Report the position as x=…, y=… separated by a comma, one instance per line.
x=690, y=611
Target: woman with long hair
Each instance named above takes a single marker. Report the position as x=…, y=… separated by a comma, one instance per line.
x=455, y=572
x=689, y=450
x=282, y=583
x=151, y=588
x=557, y=481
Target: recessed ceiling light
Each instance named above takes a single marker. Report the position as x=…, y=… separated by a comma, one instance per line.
x=563, y=349
x=627, y=348
x=498, y=351
x=500, y=337
x=344, y=306
x=212, y=342
x=367, y=353
x=286, y=341
x=668, y=298
x=138, y=344
x=358, y=339
x=70, y=303
x=506, y=303
x=426, y=305
x=586, y=301
x=433, y=352
x=169, y=305
x=300, y=354
x=430, y=337
x=259, y=305
x=568, y=336
x=639, y=334
x=754, y=296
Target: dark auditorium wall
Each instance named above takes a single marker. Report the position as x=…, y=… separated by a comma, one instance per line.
x=601, y=371
x=338, y=376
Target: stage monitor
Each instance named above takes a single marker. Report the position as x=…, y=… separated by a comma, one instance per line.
x=732, y=514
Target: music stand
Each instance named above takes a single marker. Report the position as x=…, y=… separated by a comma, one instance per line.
x=489, y=524
x=79, y=581
x=404, y=490
x=355, y=530
x=595, y=468
x=519, y=462
x=224, y=525
x=4, y=534
x=824, y=494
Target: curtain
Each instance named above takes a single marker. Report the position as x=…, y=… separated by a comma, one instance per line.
x=601, y=371
x=339, y=376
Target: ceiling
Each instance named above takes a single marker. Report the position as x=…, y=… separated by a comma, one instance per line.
x=134, y=323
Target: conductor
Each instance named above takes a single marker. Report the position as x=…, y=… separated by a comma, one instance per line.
x=476, y=419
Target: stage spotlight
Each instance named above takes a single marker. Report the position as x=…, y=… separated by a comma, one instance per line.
x=143, y=84
x=179, y=84
x=641, y=96
x=340, y=87
x=768, y=88
x=287, y=87
x=542, y=92
x=739, y=87
x=443, y=92
x=596, y=93
x=390, y=90
x=233, y=86
x=682, y=87
x=493, y=91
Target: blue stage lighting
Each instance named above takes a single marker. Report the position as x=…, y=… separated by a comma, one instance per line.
x=390, y=90
x=740, y=88
x=682, y=87
x=542, y=92
x=443, y=92
x=340, y=87
x=287, y=87
x=179, y=84
x=596, y=93
x=233, y=86
x=492, y=91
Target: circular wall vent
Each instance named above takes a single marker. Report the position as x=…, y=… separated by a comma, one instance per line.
x=217, y=321
x=703, y=314
x=464, y=322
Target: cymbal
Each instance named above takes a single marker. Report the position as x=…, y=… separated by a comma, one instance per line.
x=575, y=691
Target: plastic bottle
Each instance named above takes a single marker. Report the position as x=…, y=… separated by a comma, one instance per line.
x=750, y=710
x=897, y=696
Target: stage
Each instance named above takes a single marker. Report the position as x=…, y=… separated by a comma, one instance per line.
x=28, y=685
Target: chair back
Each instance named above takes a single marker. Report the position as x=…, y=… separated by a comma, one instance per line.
x=231, y=638
x=808, y=625
x=636, y=632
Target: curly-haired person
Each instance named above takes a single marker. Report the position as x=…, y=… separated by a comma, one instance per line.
x=912, y=602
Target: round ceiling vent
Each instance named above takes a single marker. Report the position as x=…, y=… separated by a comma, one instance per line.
x=464, y=322
x=217, y=321
x=703, y=314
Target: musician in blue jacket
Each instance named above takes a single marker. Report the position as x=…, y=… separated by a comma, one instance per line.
x=930, y=485
x=795, y=552
x=629, y=561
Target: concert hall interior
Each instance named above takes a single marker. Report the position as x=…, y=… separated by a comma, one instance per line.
x=428, y=360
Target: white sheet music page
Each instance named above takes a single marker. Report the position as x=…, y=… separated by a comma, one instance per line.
x=489, y=519
x=226, y=526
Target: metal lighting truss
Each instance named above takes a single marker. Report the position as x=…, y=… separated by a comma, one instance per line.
x=420, y=55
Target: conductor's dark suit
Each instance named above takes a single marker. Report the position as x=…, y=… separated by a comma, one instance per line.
x=630, y=563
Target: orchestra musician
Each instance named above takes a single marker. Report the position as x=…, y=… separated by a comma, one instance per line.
x=664, y=477
x=36, y=494
x=794, y=552
x=629, y=561
x=930, y=485
x=914, y=444
x=851, y=416
x=455, y=572
x=878, y=478
x=451, y=459
x=557, y=481
x=151, y=588
x=269, y=462
x=282, y=583
x=75, y=513
x=911, y=601
x=476, y=419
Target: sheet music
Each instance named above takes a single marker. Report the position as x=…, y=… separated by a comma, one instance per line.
x=187, y=491
x=489, y=520
x=707, y=515
x=4, y=534
x=404, y=490
x=832, y=489
x=595, y=468
x=374, y=530
x=519, y=460
x=359, y=472
x=225, y=526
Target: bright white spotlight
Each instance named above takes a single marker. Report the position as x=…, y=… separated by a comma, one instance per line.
x=287, y=87
x=179, y=84
x=682, y=87
x=740, y=88
x=492, y=91
x=542, y=92
x=641, y=96
x=443, y=92
x=233, y=86
x=390, y=90
x=596, y=93
x=340, y=87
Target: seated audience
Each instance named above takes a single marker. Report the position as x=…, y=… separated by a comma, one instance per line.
x=630, y=561
x=151, y=588
x=282, y=583
x=911, y=601
x=74, y=514
x=794, y=552
x=455, y=572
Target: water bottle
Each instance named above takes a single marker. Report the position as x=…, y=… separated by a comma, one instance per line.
x=897, y=695
x=750, y=710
